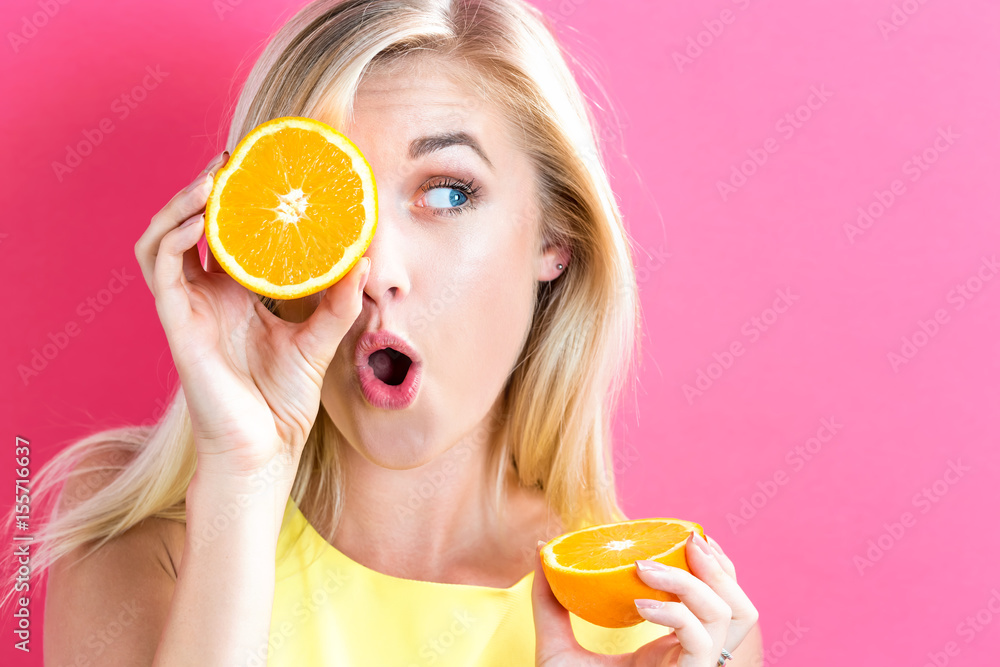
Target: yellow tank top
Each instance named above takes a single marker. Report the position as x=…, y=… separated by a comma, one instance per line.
x=331, y=610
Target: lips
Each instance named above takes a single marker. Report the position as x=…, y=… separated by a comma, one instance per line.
x=389, y=369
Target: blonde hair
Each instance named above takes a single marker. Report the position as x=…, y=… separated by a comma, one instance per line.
x=556, y=408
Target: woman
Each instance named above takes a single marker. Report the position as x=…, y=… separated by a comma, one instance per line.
x=279, y=515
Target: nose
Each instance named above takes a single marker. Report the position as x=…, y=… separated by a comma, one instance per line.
x=388, y=280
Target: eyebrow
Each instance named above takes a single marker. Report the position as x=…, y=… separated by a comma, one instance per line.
x=436, y=142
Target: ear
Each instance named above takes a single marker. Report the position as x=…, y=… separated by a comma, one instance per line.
x=551, y=258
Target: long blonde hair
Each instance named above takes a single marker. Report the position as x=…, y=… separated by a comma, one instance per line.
x=559, y=399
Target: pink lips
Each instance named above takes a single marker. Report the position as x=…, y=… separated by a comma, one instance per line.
x=376, y=392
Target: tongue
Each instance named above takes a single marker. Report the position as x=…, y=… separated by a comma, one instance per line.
x=389, y=365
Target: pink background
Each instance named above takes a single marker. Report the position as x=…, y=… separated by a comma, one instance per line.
x=684, y=127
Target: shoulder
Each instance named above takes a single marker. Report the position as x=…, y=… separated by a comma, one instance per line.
x=162, y=537
x=92, y=472
x=95, y=591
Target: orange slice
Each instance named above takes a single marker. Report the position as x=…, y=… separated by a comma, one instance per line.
x=592, y=571
x=293, y=210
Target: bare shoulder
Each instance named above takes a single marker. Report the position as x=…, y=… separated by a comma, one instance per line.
x=109, y=605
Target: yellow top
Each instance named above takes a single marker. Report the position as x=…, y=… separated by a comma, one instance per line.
x=331, y=610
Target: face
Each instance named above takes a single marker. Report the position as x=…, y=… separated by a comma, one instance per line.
x=455, y=261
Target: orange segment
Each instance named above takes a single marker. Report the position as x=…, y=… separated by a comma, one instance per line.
x=592, y=571
x=293, y=210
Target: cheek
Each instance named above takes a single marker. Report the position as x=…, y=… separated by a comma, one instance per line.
x=479, y=335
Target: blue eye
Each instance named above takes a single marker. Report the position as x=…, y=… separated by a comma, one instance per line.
x=451, y=196
x=454, y=197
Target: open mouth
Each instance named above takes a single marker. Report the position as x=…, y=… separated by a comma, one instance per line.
x=390, y=366
x=388, y=369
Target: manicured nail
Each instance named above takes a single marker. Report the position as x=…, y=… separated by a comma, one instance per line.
x=191, y=221
x=702, y=544
x=647, y=565
x=194, y=184
x=199, y=182
x=643, y=603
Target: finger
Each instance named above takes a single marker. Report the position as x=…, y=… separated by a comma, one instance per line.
x=723, y=559
x=181, y=206
x=211, y=263
x=706, y=566
x=192, y=259
x=553, y=628
x=698, y=595
x=170, y=287
x=694, y=638
x=320, y=335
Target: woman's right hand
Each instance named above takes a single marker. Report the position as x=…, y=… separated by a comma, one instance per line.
x=251, y=380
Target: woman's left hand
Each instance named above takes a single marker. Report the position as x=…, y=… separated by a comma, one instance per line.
x=714, y=614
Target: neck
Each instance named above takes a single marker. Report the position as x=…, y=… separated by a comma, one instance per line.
x=436, y=522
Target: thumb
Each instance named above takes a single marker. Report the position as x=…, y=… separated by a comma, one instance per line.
x=553, y=630
x=320, y=335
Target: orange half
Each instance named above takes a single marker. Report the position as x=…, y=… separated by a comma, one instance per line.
x=592, y=571
x=293, y=210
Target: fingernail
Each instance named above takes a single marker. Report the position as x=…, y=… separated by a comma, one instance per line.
x=643, y=603
x=202, y=179
x=702, y=544
x=191, y=221
x=539, y=545
x=715, y=546
x=193, y=184
x=648, y=565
